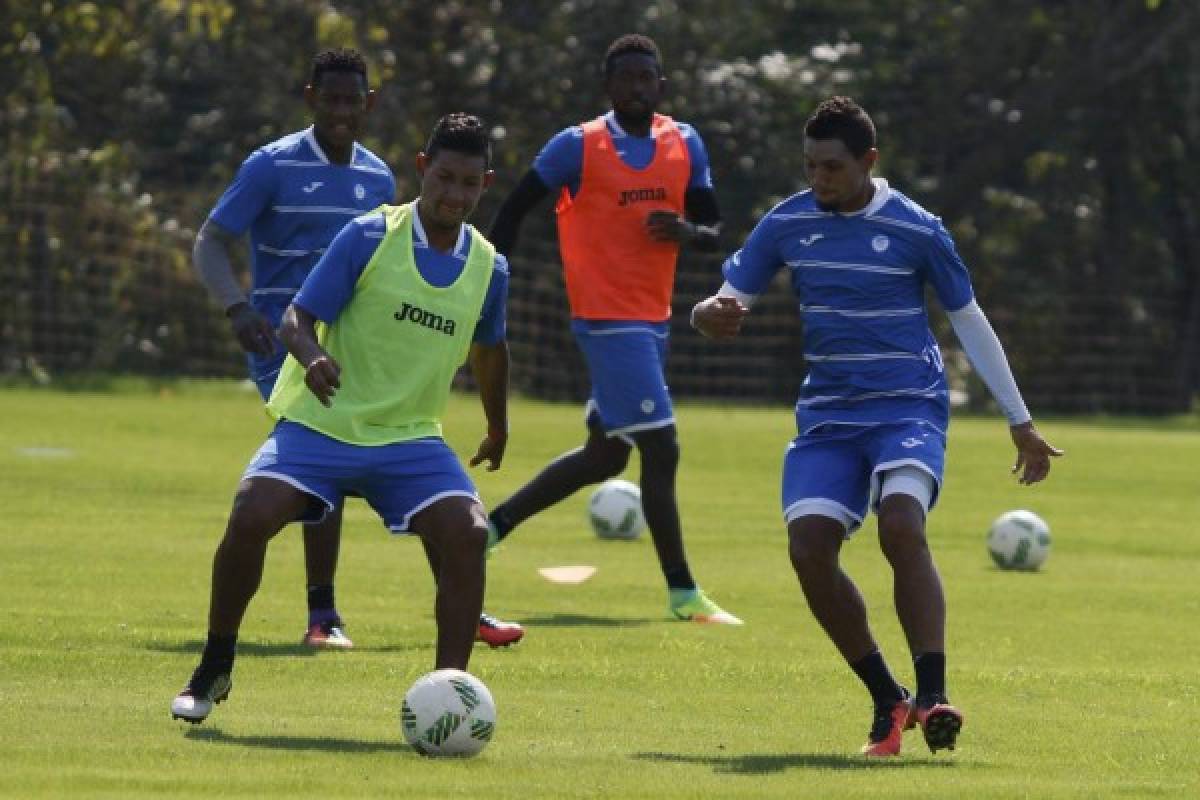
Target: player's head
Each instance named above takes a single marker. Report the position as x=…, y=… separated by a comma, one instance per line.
x=633, y=77
x=839, y=154
x=455, y=169
x=339, y=97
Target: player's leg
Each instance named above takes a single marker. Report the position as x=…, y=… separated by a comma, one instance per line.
x=906, y=493
x=601, y=457
x=260, y=510
x=455, y=529
x=322, y=543
x=492, y=631
x=825, y=493
x=658, y=449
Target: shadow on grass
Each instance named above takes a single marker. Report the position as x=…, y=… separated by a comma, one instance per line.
x=272, y=649
x=582, y=621
x=763, y=763
x=328, y=744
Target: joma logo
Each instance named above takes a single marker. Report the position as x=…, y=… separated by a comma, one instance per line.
x=641, y=195
x=427, y=319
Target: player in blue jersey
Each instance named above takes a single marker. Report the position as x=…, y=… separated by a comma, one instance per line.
x=873, y=411
x=375, y=335
x=292, y=196
x=632, y=186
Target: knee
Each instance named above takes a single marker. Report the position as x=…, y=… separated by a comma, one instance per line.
x=811, y=551
x=251, y=520
x=902, y=534
x=606, y=459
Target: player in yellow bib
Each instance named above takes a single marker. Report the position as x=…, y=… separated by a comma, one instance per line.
x=402, y=297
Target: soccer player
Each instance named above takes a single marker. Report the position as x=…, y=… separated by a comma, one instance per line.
x=633, y=187
x=375, y=335
x=873, y=410
x=293, y=196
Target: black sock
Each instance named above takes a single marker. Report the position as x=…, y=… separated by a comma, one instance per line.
x=219, y=649
x=931, y=674
x=679, y=577
x=320, y=598
x=501, y=521
x=873, y=671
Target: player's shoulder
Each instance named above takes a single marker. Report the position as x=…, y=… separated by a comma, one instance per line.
x=371, y=225
x=500, y=263
x=901, y=210
x=292, y=147
x=798, y=206
x=367, y=161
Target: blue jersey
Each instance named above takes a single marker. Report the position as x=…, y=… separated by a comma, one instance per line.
x=860, y=280
x=293, y=201
x=560, y=162
x=331, y=284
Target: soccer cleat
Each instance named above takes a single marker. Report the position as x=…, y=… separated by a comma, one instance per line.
x=497, y=632
x=694, y=605
x=327, y=635
x=209, y=685
x=939, y=721
x=888, y=728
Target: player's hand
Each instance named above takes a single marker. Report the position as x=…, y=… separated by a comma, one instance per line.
x=491, y=450
x=322, y=377
x=1033, y=453
x=254, y=333
x=667, y=226
x=719, y=317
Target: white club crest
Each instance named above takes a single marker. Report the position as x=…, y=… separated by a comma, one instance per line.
x=359, y=191
x=880, y=243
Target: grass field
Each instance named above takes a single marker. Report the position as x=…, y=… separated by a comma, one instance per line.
x=1078, y=681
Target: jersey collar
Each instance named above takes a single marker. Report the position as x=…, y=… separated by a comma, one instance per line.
x=614, y=127
x=419, y=230
x=311, y=137
x=883, y=193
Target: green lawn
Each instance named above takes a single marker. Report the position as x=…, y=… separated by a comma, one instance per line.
x=1078, y=681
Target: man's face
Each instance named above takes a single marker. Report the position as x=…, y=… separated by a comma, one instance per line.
x=451, y=185
x=634, y=86
x=837, y=178
x=339, y=103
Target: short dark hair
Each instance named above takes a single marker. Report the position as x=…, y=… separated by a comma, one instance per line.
x=339, y=59
x=631, y=43
x=462, y=133
x=842, y=118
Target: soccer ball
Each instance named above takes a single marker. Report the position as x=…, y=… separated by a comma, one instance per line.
x=1019, y=540
x=616, y=510
x=448, y=712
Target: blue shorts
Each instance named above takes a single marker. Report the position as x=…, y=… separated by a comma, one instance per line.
x=840, y=466
x=625, y=363
x=397, y=480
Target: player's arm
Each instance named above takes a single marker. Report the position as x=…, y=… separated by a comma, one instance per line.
x=700, y=225
x=489, y=360
x=986, y=354
x=748, y=273
x=212, y=259
x=321, y=371
x=524, y=198
x=489, y=366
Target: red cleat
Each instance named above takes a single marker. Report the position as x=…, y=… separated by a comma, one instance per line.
x=888, y=728
x=327, y=636
x=498, y=633
x=939, y=721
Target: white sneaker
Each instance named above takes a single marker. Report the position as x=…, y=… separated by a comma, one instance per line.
x=203, y=691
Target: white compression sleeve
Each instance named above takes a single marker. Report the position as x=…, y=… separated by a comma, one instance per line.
x=210, y=258
x=727, y=290
x=987, y=357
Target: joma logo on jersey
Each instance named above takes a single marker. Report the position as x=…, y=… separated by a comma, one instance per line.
x=426, y=319
x=641, y=196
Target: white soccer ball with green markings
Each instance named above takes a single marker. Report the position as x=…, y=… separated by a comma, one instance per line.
x=615, y=510
x=448, y=712
x=1019, y=540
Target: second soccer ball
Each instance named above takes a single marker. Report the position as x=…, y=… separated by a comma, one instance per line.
x=615, y=510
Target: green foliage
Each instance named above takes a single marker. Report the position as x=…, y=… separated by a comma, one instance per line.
x=1052, y=138
x=114, y=505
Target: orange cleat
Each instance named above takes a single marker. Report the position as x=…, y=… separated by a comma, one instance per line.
x=888, y=728
x=939, y=721
x=327, y=636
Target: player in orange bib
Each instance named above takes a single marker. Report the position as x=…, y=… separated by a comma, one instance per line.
x=633, y=187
